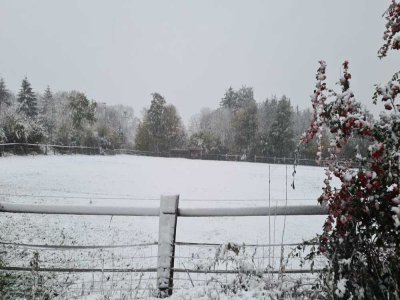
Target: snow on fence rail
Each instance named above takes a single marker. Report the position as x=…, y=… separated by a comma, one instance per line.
x=303, y=210
x=81, y=247
x=152, y=270
x=168, y=214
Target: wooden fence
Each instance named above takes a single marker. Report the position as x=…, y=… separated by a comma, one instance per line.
x=168, y=213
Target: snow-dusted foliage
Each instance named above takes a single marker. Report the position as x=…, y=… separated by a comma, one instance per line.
x=2, y=136
x=18, y=128
x=4, y=95
x=242, y=126
x=390, y=36
x=27, y=100
x=66, y=118
x=361, y=236
x=161, y=128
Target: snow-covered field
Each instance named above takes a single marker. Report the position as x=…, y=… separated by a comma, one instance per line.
x=133, y=181
x=126, y=180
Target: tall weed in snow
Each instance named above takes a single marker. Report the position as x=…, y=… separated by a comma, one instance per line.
x=33, y=285
x=248, y=280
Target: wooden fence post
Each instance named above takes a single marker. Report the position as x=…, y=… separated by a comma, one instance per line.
x=166, y=244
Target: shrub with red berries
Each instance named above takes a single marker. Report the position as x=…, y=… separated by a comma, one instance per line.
x=361, y=235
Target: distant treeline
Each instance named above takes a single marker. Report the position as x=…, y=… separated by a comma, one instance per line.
x=239, y=125
x=66, y=118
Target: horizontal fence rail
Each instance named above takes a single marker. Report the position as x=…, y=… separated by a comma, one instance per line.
x=76, y=247
x=84, y=247
x=153, y=270
x=79, y=210
x=305, y=210
x=81, y=270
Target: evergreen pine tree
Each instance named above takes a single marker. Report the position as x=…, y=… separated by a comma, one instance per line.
x=161, y=128
x=230, y=99
x=235, y=100
x=245, y=127
x=265, y=116
x=48, y=112
x=4, y=95
x=173, y=135
x=245, y=97
x=155, y=119
x=48, y=101
x=143, y=138
x=281, y=136
x=82, y=110
x=27, y=99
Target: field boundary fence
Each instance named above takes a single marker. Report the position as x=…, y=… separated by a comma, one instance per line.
x=48, y=149
x=165, y=266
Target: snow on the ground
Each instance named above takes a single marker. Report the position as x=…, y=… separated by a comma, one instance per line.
x=149, y=177
x=125, y=180
x=122, y=180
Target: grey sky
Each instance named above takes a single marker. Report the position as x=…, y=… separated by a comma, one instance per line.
x=191, y=51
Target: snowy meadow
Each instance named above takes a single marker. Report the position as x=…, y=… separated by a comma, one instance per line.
x=139, y=181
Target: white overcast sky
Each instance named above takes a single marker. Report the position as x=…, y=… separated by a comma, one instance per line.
x=120, y=52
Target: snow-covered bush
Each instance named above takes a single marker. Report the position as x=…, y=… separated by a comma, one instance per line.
x=361, y=236
x=17, y=128
x=207, y=142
